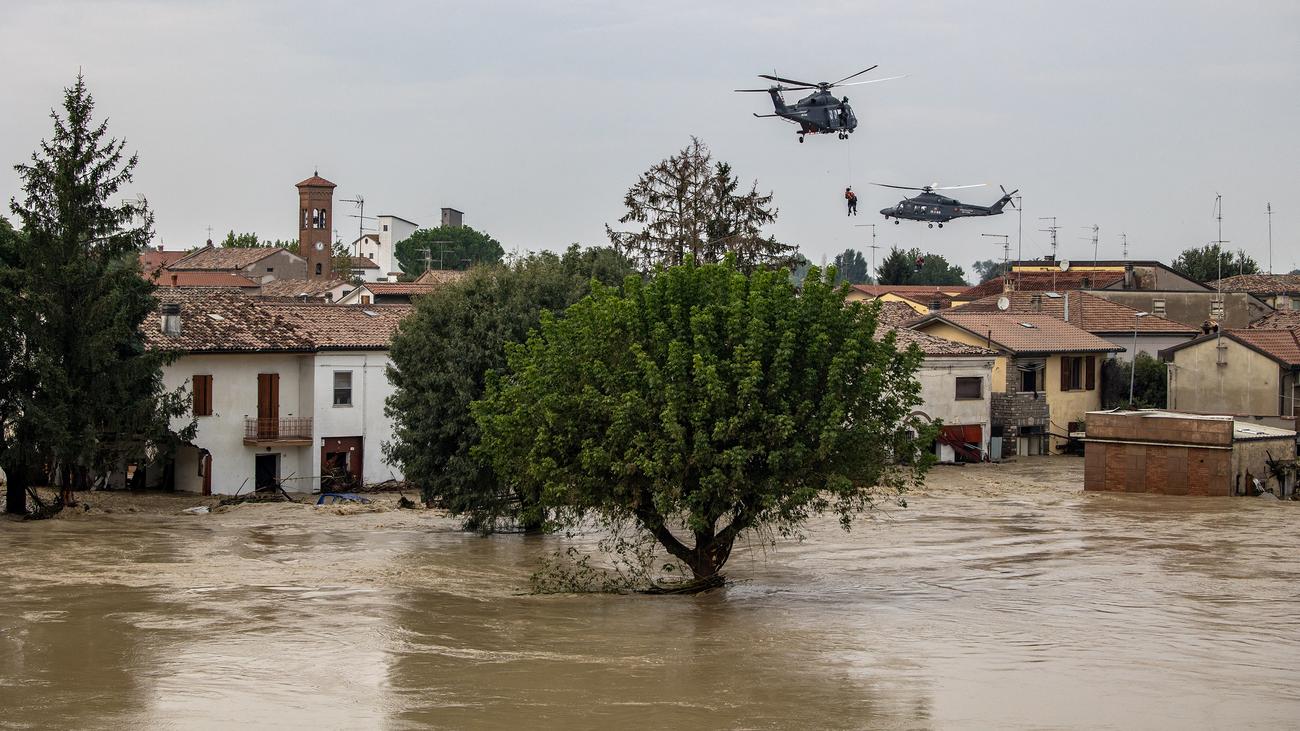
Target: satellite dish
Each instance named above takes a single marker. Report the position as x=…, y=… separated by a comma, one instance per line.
x=1004, y=304
x=1065, y=265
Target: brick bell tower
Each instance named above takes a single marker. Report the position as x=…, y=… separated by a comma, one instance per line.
x=315, y=216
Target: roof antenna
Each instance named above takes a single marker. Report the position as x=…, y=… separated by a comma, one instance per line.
x=1269, y=208
x=1124, y=237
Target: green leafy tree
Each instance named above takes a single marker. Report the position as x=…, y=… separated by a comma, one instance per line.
x=15, y=375
x=989, y=269
x=441, y=357
x=916, y=267
x=1150, y=383
x=691, y=205
x=705, y=403
x=448, y=247
x=95, y=393
x=252, y=241
x=852, y=267
x=1210, y=262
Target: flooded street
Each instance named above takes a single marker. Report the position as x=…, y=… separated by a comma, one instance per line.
x=1001, y=598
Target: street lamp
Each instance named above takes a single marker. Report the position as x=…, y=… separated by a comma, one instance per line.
x=1133, y=364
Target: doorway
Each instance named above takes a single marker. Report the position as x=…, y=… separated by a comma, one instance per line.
x=266, y=473
x=341, y=460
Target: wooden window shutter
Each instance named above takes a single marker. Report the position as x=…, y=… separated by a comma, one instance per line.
x=1091, y=377
x=202, y=397
x=1066, y=362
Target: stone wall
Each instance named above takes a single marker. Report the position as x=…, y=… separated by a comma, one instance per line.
x=1013, y=409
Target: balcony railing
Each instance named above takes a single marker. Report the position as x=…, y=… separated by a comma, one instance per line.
x=288, y=429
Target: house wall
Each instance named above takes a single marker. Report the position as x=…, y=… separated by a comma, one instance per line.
x=392, y=231
x=1250, y=459
x=1149, y=343
x=1067, y=406
x=234, y=397
x=938, y=379
x=365, y=417
x=948, y=332
x=1190, y=308
x=1248, y=382
x=280, y=265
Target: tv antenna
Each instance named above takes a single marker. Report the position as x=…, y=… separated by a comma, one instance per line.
x=1094, y=228
x=1006, y=256
x=1219, y=242
x=442, y=252
x=1052, y=229
x=361, y=217
x=1124, y=237
x=873, y=246
x=1020, y=230
x=1269, y=208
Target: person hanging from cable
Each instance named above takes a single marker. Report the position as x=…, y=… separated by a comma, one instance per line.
x=852, y=199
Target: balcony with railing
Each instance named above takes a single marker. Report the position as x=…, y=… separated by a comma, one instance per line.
x=288, y=431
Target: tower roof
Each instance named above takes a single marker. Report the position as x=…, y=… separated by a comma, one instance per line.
x=315, y=181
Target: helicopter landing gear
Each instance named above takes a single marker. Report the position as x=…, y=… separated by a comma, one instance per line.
x=941, y=225
x=931, y=225
x=801, y=139
x=896, y=221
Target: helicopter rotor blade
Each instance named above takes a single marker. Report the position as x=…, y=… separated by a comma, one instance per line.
x=780, y=80
x=957, y=187
x=900, y=187
x=871, y=81
x=1007, y=195
x=846, y=78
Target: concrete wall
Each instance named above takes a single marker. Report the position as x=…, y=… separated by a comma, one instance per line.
x=234, y=397
x=1148, y=343
x=938, y=379
x=1190, y=308
x=1250, y=459
x=392, y=231
x=280, y=265
x=365, y=417
x=1248, y=383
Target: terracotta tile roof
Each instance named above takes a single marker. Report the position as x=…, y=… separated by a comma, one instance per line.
x=342, y=327
x=299, y=287
x=1280, y=345
x=152, y=259
x=441, y=276
x=1044, y=282
x=1280, y=320
x=1259, y=284
x=897, y=314
x=1023, y=333
x=910, y=290
x=222, y=258
x=1087, y=311
x=315, y=181
x=201, y=278
x=227, y=321
x=934, y=346
x=363, y=262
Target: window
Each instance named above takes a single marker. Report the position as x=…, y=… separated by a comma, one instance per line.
x=270, y=270
x=201, y=399
x=1216, y=308
x=971, y=387
x=365, y=299
x=1078, y=373
x=342, y=388
x=1029, y=380
x=385, y=227
x=1158, y=306
x=318, y=269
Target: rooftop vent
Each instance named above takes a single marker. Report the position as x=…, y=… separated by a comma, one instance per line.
x=1029, y=325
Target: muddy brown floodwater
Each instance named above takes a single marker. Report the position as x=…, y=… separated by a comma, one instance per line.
x=1001, y=598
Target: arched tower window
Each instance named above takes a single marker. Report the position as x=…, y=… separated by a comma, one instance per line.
x=323, y=222
x=304, y=218
x=318, y=269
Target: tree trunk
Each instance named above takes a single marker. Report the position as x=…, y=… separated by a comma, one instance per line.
x=16, y=489
x=66, y=495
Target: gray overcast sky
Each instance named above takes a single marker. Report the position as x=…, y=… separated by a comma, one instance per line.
x=534, y=118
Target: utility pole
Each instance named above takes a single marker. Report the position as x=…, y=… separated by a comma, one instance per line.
x=361, y=217
x=873, y=246
x=1020, y=232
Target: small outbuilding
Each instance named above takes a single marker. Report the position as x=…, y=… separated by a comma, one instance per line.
x=1175, y=453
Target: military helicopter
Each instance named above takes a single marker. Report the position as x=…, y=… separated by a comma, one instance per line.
x=819, y=112
x=934, y=208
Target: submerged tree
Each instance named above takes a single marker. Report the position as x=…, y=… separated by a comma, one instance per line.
x=95, y=393
x=705, y=403
x=916, y=267
x=441, y=357
x=690, y=205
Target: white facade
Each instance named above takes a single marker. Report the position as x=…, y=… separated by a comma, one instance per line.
x=938, y=378
x=381, y=247
x=306, y=389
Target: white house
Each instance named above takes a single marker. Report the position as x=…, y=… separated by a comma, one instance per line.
x=381, y=247
x=282, y=391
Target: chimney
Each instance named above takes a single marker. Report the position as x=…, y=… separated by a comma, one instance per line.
x=209, y=243
x=1067, y=306
x=171, y=319
x=452, y=217
x=1036, y=302
x=935, y=305
x=174, y=278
